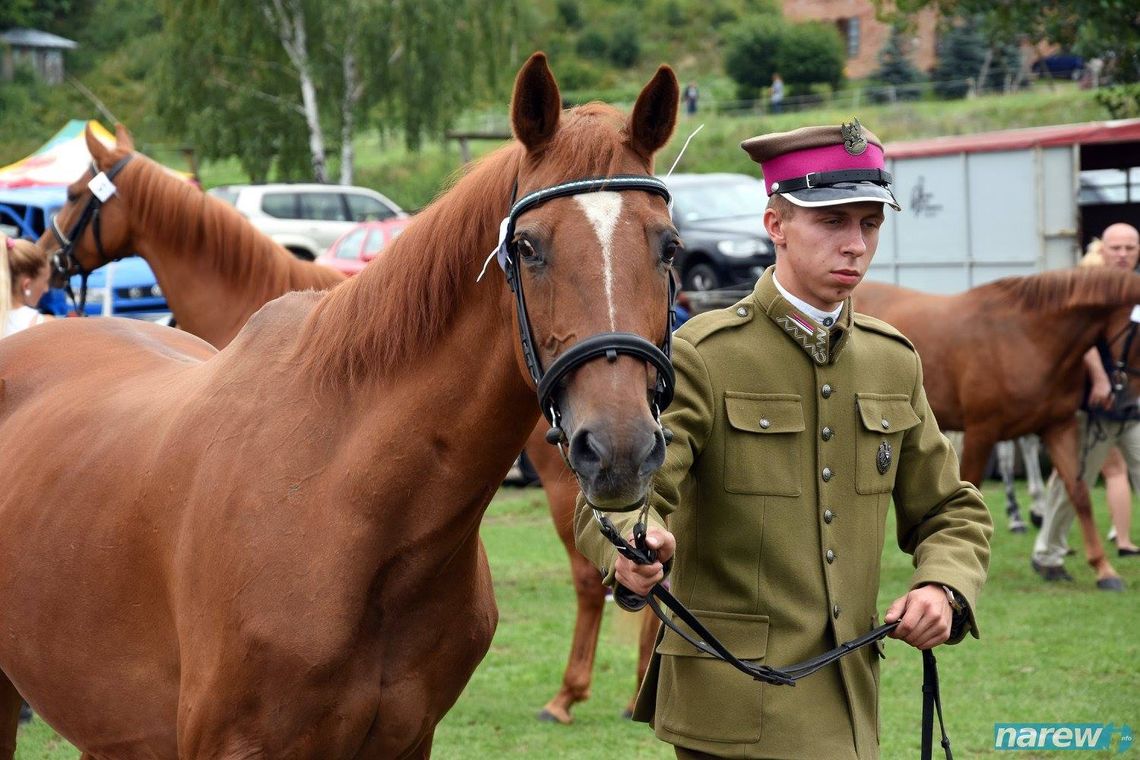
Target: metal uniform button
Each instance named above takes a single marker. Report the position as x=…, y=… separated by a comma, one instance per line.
x=828, y=516
x=765, y=424
x=835, y=610
x=826, y=474
x=830, y=556
x=742, y=312
x=825, y=391
x=826, y=433
x=886, y=425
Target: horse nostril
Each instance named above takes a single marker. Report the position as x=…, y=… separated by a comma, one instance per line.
x=589, y=454
x=653, y=455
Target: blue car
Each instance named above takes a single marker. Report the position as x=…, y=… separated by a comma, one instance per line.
x=26, y=212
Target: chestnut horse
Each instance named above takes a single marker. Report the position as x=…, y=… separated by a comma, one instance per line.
x=217, y=269
x=273, y=550
x=214, y=267
x=1005, y=359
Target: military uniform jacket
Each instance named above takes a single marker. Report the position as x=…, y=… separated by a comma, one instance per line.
x=789, y=444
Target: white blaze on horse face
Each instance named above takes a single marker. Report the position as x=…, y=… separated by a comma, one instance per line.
x=603, y=210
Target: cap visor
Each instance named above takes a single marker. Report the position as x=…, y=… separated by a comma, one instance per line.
x=847, y=192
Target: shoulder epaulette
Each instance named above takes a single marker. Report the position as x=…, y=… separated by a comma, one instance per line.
x=882, y=328
x=703, y=325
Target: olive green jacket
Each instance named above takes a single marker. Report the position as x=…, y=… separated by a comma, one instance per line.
x=789, y=445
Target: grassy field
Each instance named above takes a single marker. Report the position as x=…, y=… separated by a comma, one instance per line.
x=1057, y=652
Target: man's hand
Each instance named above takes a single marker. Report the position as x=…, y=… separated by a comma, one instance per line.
x=925, y=614
x=1100, y=393
x=640, y=578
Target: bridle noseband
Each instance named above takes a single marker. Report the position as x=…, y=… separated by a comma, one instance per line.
x=608, y=344
x=64, y=262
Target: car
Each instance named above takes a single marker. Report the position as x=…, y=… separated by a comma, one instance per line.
x=720, y=218
x=355, y=248
x=307, y=218
x=26, y=212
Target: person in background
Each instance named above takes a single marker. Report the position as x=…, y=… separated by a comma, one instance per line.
x=796, y=423
x=690, y=96
x=776, y=97
x=24, y=274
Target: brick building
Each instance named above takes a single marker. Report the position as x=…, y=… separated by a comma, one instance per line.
x=864, y=34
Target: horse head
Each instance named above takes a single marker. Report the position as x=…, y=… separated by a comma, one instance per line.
x=92, y=229
x=590, y=243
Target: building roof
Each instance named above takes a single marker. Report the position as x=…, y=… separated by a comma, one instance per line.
x=1121, y=130
x=36, y=39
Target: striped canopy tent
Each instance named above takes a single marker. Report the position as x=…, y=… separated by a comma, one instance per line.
x=61, y=160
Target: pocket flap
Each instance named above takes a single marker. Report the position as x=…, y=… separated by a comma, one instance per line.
x=746, y=636
x=764, y=412
x=886, y=414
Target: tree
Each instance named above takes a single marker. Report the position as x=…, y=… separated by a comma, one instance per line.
x=284, y=83
x=1105, y=28
x=803, y=54
x=895, y=66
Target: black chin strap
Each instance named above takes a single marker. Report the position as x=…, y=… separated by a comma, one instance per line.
x=707, y=643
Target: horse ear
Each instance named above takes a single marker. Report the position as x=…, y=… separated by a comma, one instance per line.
x=536, y=104
x=123, y=139
x=95, y=146
x=655, y=113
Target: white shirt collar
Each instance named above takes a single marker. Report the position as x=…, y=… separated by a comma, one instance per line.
x=819, y=315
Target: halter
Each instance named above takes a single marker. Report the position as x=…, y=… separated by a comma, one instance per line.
x=607, y=344
x=64, y=261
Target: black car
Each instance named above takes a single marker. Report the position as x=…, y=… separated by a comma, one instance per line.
x=720, y=218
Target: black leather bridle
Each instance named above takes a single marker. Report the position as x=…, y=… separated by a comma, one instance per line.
x=608, y=344
x=64, y=262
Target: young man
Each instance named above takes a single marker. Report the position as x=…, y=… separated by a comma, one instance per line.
x=795, y=422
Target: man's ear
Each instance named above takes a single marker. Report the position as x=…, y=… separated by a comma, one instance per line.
x=774, y=226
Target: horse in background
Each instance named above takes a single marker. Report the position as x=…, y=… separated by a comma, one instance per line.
x=1004, y=359
x=214, y=267
x=242, y=554
x=1030, y=447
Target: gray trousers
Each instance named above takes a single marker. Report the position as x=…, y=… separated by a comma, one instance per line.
x=1052, y=541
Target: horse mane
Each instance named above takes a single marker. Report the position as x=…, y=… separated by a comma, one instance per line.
x=204, y=226
x=404, y=300
x=1063, y=289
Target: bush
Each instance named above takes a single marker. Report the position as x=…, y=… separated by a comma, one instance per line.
x=591, y=45
x=569, y=13
x=804, y=54
x=750, y=54
x=625, y=44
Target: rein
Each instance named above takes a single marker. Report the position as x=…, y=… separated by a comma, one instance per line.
x=640, y=553
x=64, y=261
x=608, y=344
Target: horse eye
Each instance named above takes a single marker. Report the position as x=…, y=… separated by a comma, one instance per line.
x=526, y=249
x=669, y=250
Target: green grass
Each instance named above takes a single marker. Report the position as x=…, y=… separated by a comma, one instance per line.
x=1056, y=652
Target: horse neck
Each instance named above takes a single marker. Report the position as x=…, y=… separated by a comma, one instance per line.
x=213, y=266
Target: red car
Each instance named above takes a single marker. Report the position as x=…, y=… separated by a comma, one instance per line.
x=364, y=242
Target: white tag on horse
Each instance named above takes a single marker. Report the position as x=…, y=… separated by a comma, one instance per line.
x=1135, y=316
x=101, y=187
x=500, y=250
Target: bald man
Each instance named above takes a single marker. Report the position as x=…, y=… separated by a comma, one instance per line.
x=1117, y=425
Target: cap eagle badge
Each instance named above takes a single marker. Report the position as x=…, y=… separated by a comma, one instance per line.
x=853, y=140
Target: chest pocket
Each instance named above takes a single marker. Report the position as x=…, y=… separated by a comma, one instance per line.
x=878, y=439
x=762, y=443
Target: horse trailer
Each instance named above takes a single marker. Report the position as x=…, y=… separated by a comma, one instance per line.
x=1015, y=202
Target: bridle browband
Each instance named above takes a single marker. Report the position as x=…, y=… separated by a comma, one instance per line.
x=64, y=262
x=608, y=344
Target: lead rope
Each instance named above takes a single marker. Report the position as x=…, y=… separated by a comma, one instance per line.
x=640, y=553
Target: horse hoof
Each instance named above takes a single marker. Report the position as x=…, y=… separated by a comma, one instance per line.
x=546, y=716
x=627, y=714
x=1036, y=519
x=1017, y=527
x=1110, y=584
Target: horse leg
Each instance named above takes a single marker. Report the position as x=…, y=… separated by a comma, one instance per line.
x=1031, y=453
x=561, y=493
x=645, y=643
x=1062, y=443
x=1006, y=457
x=10, y=702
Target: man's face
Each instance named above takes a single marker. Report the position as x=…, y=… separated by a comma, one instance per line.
x=1120, y=246
x=823, y=253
